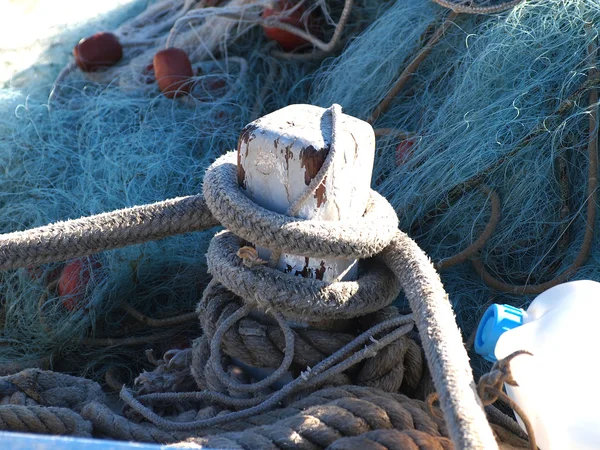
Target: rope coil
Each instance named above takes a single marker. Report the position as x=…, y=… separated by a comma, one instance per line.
x=379, y=349
x=363, y=237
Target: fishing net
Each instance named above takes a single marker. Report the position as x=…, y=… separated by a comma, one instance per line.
x=74, y=144
x=498, y=108
x=502, y=102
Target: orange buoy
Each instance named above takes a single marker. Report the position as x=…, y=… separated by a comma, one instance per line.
x=286, y=40
x=73, y=281
x=173, y=70
x=98, y=51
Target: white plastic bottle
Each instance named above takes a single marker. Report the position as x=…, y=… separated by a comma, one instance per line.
x=559, y=386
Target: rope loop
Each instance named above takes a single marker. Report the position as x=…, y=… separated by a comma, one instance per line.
x=215, y=353
x=300, y=298
x=393, y=261
x=357, y=238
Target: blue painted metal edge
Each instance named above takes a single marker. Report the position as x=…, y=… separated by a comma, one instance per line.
x=22, y=441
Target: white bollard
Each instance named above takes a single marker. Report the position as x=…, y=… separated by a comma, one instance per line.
x=280, y=153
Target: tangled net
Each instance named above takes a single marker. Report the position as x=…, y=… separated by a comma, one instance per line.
x=75, y=144
x=486, y=116
x=505, y=103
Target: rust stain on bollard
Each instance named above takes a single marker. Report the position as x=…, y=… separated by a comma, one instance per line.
x=312, y=160
x=246, y=136
x=241, y=173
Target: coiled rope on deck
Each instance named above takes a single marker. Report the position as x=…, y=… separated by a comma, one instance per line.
x=404, y=265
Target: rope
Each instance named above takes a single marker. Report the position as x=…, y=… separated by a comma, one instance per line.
x=39, y=401
x=335, y=111
x=319, y=419
x=400, y=262
x=39, y=419
x=171, y=374
x=109, y=424
x=48, y=388
x=316, y=376
x=359, y=238
x=300, y=298
x=83, y=237
x=490, y=389
x=465, y=7
x=392, y=439
x=258, y=343
x=442, y=342
x=412, y=67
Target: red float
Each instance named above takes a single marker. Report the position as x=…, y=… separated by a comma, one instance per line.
x=73, y=281
x=286, y=40
x=98, y=51
x=404, y=151
x=173, y=70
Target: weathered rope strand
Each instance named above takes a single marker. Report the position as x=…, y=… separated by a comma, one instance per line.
x=83, y=237
x=411, y=68
x=336, y=112
x=461, y=7
x=215, y=349
x=315, y=421
x=42, y=419
x=362, y=237
x=442, y=342
x=472, y=250
x=317, y=375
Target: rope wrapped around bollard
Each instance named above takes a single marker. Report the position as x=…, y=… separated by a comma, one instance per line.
x=395, y=261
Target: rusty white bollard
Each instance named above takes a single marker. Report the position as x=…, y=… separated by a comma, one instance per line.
x=280, y=153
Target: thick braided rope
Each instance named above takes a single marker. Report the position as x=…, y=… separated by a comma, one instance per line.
x=416, y=440
x=317, y=428
x=359, y=238
x=47, y=388
x=82, y=237
x=392, y=440
x=335, y=111
x=418, y=416
x=261, y=344
x=305, y=299
x=41, y=419
x=442, y=342
x=318, y=420
x=462, y=7
x=40, y=401
x=351, y=354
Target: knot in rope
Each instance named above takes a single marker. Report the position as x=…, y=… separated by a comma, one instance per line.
x=295, y=297
x=255, y=305
x=257, y=314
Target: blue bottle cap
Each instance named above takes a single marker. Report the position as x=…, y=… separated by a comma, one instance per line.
x=497, y=320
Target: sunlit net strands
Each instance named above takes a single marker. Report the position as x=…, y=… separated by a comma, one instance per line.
x=74, y=144
x=499, y=98
x=486, y=122
x=502, y=101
